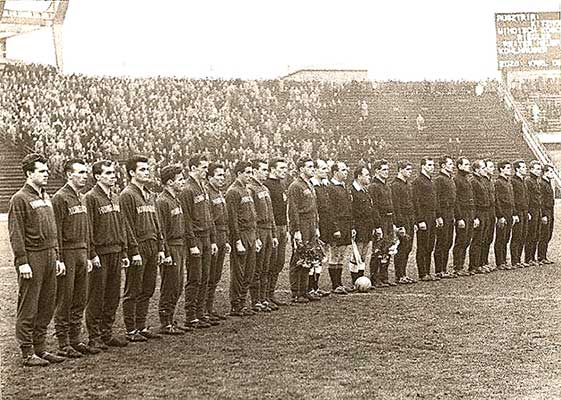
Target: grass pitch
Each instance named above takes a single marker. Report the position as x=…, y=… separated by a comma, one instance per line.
x=493, y=336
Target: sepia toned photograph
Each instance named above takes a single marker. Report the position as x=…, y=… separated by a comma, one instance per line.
x=280, y=200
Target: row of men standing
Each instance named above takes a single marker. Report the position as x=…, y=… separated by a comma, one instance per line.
x=69, y=253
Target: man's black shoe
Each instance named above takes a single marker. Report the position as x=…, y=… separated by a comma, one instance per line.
x=135, y=337
x=148, y=334
x=115, y=341
x=85, y=349
x=68, y=352
x=50, y=357
x=34, y=361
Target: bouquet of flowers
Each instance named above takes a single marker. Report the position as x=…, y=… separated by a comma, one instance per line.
x=309, y=254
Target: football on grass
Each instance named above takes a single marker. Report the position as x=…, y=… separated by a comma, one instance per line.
x=363, y=284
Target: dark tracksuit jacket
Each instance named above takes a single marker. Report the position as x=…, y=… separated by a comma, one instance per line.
x=546, y=231
x=277, y=190
x=171, y=220
x=381, y=194
x=424, y=198
x=504, y=208
x=196, y=209
x=482, y=211
x=535, y=210
x=363, y=208
x=33, y=237
x=302, y=210
x=325, y=219
x=446, y=201
x=463, y=211
x=341, y=213
x=404, y=217
x=519, y=230
x=71, y=220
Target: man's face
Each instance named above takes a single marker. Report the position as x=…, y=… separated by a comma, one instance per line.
x=78, y=176
x=490, y=168
x=218, y=178
x=141, y=173
x=40, y=176
x=448, y=166
x=537, y=169
x=407, y=171
x=384, y=171
x=465, y=166
x=200, y=171
x=522, y=169
x=364, y=177
x=549, y=173
x=261, y=172
x=322, y=171
x=342, y=173
x=280, y=170
x=178, y=183
x=107, y=176
x=428, y=168
x=245, y=175
x=308, y=170
x=507, y=170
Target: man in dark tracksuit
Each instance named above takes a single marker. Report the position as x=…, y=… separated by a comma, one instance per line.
x=482, y=203
x=277, y=188
x=381, y=194
x=504, y=209
x=108, y=252
x=520, y=216
x=172, y=225
x=321, y=183
x=362, y=220
x=534, y=212
x=33, y=237
x=463, y=214
x=424, y=199
x=548, y=203
x=266, y=235
x=404, y=218
x=219, y=214
x=342, y=220
x=303, y=224
x=487, y=173
x=73, y=242
x=242, y=224
x=145, y=249
x=446, y=201
x=201, y=243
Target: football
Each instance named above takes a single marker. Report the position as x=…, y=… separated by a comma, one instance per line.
x=363, y=284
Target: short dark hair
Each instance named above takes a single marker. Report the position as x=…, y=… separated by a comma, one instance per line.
x=443, y=160
x=275, y=161
x=516, y=164
x=478, y=164
x=335, y=166
x=460, y=161
x=69, y=164
x=255, y=162
x=487, y=161
x=425, y=159
x=169, y=172
x=213, y=167
x=97, y=166
x=28, y=162
x=402, y=164
x=241, y=166
x=301, y=162
x=196, y=160
x=358, y=171
x=378, y=164
x=547, y=167
x=502, y=164
x=133, y=162
x=534, y=162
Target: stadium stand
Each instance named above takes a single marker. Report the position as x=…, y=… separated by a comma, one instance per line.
x=170, y=118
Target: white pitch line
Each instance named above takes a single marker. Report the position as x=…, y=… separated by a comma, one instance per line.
x=471, y=297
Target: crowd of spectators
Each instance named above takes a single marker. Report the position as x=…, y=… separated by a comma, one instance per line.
x=541, y=99
x=171, y=118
